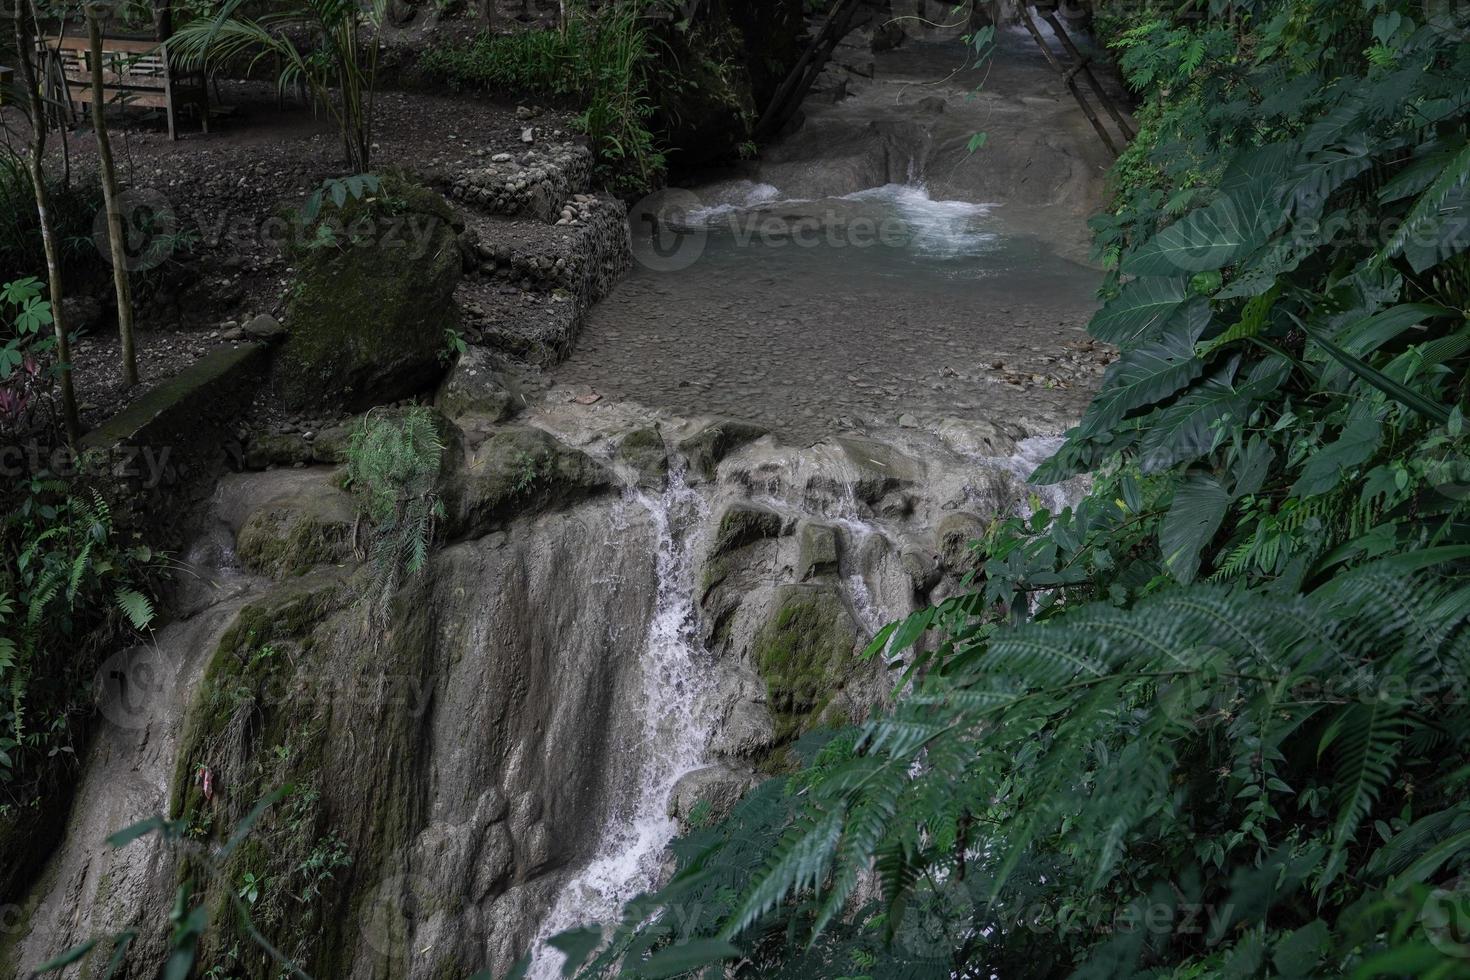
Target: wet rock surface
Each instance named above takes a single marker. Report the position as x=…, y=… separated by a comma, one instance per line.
x=655, y=570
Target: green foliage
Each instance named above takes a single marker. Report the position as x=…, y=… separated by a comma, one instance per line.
x=1207, y=721
x=454, y=346
x=339, y=64
x=393, y=468
x=338, y=191
x=190, y=919
x=605, y=61
x=69, y=590
x=27, y=366
x=73, y=206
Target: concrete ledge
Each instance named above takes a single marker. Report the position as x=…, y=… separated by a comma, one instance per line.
x=157, y=459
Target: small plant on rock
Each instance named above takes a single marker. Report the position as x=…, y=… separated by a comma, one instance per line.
x=393, y=466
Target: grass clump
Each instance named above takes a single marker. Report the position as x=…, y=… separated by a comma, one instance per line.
x=602, y=61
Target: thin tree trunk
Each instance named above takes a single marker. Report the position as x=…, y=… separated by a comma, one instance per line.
x=108, y=173
x=25, y=51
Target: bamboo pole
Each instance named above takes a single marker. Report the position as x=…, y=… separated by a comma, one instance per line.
x=108, y=173
x=1092, y=80
x=25, y=50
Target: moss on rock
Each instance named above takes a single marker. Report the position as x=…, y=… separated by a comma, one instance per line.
x=290, y=536
x=741, y=525
x=707, y=447
x=517, y=471
x=819, y=545
x=805, y=655
x=269, y=449
x=368, y=313
x=644, y=450
x=474, y=387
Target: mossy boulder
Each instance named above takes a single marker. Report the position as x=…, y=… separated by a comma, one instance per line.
x=819, y=551
x=368, y=313
x=741, y=525
x=291, y=535
x=518, y=471
x=644, y=451
x=744, y=524
x=805, y=655
x=706, y=448
x=474, y=387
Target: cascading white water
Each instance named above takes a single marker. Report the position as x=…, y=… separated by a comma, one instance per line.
x=674, y=733
x=1031, y=453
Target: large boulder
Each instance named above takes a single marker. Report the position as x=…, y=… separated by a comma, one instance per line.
x=368, y=314
x=474, y=386
x=518, y=471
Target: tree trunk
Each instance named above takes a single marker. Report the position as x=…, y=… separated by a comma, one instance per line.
x=36, y=165
x=108, y=173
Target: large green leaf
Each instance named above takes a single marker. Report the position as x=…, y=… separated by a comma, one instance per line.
x=1436, y=226
x=1403, y=395
x=1260, y=271
x=1442, y=236
x=1246, y=214
x=1315, y=180
x=1326, y=468
x=1193, y=518
x=1186, y=429
x=1210, y=238
x=1142, y=376
x=1140, y=309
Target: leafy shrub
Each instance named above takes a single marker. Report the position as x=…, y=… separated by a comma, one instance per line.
x=69, y=588
x=393, y=466
x=1209, y=720
x=604, y=61
x=73, y=208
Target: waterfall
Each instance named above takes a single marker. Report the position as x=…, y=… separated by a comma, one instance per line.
x=674, y=732
x=1031, y=453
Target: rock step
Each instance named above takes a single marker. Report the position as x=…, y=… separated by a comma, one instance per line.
x=534, y=185
x=530, y=285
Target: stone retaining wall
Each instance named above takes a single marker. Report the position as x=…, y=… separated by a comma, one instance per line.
x=535, y=185
x=156, y=461
x=568, y=267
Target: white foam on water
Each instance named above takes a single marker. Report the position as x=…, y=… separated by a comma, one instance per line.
x=872, y=617
x=631, y=847
x=737, y=196
x=938, y=229
x=1031, y=453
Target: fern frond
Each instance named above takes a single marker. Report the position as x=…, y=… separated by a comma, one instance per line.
x=136, y=607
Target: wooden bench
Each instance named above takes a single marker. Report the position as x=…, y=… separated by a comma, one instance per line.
x=135, y=72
